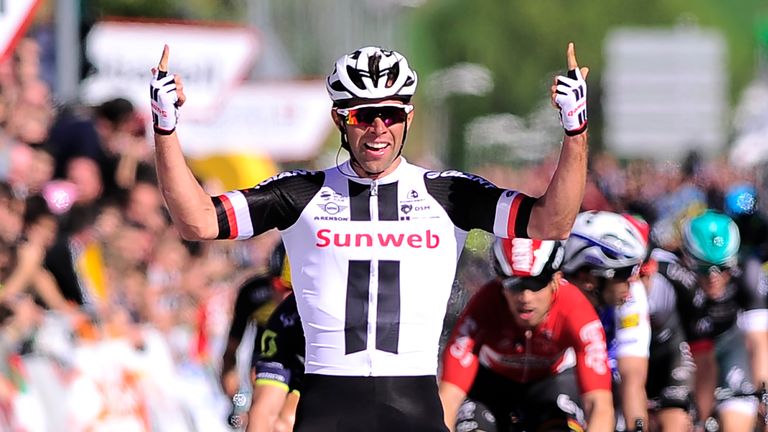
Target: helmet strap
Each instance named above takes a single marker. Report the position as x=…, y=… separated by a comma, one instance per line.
x=405, y=134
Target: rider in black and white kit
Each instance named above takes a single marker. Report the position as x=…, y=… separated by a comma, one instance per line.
x=671, y=384
x=279, y=370
x=373, y=242
x=723, y=302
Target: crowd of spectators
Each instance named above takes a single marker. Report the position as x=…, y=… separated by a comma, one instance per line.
x=86, y=244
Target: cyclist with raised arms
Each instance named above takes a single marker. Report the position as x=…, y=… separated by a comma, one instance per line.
x=529, y=346
x=724, y=302
x=279, y=371
x=603, y=257
x=374, y=241
x=670, y=387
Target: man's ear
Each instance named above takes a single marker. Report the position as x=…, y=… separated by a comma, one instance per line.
x=558, y=278
x=410, y=117
x=337, y=120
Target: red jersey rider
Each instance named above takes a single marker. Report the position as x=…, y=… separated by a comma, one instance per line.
x=529, y=346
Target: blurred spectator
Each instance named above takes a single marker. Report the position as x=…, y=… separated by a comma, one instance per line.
x=66, y=260
x=740, y=202
x=29, y=123
x=681, y=189
x=73, y=134
x=40, y=169
x=145, y=206
x=111, y=134
x=29, y=276
x=29, y=168
x=84, y=173
x=11, y=210
x=123, y=140
x=19, y=318
x=609, y=175
x=593, y=197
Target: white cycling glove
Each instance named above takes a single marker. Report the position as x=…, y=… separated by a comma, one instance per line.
x=571, y=100
x=165, y=113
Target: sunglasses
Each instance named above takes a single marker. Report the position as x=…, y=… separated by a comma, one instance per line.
x=520, y=284
x=365, y=115
x=622, y=274
x=704, y=269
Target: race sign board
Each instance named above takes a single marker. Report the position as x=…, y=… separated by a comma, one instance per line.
x=286, y=120
x=15, y=16
x=212, y=59
x=665, y=92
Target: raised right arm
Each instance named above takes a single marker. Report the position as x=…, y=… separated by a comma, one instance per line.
x=191, y=209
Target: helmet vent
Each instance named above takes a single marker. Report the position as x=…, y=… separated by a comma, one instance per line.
x=373, y=68
x=355, y=76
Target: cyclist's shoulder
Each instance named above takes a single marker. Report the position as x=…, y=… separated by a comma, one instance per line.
x=750, y=277
x=570, y=300
x=663, y=256
x=671, y=268
x=455, y=177
x=637, y=298
x=291, y=178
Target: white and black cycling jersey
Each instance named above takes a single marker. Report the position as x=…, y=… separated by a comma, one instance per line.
x=675, y=289
x=666, y=325
x=373, y=261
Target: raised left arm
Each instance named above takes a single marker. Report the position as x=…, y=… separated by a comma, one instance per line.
x=553, y=214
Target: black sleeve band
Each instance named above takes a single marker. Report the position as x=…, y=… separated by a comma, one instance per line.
x=577, y=131
x=163, y=131
x=524, y=216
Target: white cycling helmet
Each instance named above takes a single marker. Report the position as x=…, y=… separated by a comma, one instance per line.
x=526, y=262
x=608, y=244
x=370, y=73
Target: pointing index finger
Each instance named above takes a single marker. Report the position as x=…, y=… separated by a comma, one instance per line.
x=163, y=65
x=571, y=55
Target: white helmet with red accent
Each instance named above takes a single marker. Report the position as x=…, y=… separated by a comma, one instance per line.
x=606, y=243
x=520, y=259
x=370, y=73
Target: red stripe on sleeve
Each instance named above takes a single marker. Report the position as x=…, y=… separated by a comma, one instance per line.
x=514, y=206
x=701, y=346
x=230, y=212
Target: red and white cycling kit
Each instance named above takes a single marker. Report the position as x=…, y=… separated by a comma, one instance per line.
x=373, y=261
x=486, y=335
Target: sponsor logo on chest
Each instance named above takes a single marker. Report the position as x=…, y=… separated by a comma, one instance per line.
x=327, y=237
x=405, y=228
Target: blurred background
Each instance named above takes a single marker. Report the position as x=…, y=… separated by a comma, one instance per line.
x=109, y=321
